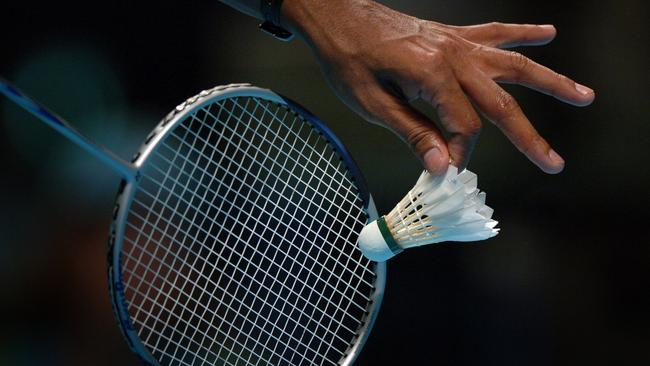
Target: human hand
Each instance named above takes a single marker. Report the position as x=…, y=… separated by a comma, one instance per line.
x=379, y=60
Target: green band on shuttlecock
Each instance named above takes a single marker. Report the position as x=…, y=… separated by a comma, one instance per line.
x=388, y=237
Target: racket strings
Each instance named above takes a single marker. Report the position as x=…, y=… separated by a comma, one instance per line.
x=266, y=227
x=177, y=349
x=307, y=144
x=315, y=193
x=334, y=217
x=253, y=218
x=336, y=174
x=249, y=308
x=256, y=315
x=307, y=160
x=288, y=272
x=157, y=222
x=220, y=324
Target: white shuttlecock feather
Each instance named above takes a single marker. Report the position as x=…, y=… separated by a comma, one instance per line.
x=444, y=208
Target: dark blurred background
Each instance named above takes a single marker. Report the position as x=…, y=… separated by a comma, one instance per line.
x=565, y=283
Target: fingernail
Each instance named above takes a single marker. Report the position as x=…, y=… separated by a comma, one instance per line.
x=555, y=157
x=583, y=89
x=547, y=26
x=434, y=161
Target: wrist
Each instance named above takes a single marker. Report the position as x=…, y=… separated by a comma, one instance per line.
x=314, y=19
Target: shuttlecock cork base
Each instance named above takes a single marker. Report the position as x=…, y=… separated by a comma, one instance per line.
x=444, y=208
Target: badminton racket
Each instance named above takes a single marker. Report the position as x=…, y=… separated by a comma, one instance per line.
x=234, y=233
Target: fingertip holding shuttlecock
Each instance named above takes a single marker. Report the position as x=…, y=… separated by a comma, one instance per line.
x=444, y=208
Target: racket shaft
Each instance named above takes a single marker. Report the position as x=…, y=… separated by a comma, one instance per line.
x=128, y=171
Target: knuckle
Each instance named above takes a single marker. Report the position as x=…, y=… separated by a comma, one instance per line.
x=435, y=59
x=421, y=139
x=453, y=44
x=560, y=82
x=467, y=129
x=518, y=61
x=565, y=80
x=445, y=42
x=472, y=128
x=561, y=78
x=495, y=27
x=430, y=24
x=506, y=104
x=529, y=144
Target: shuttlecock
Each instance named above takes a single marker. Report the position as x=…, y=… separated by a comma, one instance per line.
x=443, y=208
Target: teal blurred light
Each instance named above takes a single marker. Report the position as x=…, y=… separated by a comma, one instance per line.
x=78, y=82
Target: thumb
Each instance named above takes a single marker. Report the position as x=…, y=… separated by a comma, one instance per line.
x=424, y=138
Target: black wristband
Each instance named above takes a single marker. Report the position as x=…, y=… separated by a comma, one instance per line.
x=271, y=25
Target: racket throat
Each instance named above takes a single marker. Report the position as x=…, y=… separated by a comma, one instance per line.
x=126, y=170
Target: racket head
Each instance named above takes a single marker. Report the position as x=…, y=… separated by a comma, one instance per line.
x=252, y=305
